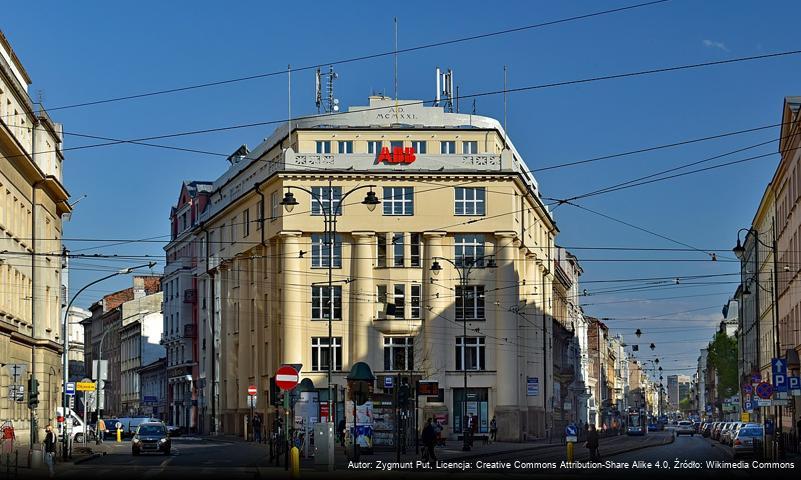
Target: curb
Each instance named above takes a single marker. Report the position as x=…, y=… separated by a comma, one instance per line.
x=88, y=457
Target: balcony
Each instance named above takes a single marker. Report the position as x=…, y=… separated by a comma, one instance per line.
x=190, y=331
x=190, y=296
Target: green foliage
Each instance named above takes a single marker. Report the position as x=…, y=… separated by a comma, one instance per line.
x=723, y=357
x=685, y=405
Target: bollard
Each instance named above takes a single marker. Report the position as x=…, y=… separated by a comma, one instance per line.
x=294, y=469
x=119, y=435
x=569, y=452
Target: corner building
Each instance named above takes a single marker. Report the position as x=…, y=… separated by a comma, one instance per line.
x=262, y=275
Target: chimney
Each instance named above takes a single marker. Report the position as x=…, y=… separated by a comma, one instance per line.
x=139, y=287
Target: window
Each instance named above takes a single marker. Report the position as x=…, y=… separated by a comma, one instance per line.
x=470, y=147
x=275, y=205
x=246, y=221
x=419, y=146
x=398, y=201
x=399, y=300
x=381, y=261
x=322, y=353
x=470, y=353
x=470, y=306
x=416, y=248
x=415, y=301
x=325, y=195
x=374, y=147
x=469, y=250
x=397, y=250
x=447, y=148
x=381, y=301
x=345, y=146
x=395, y=144
x=470, y=201
x=260, y=213
x=233, y=230
x=398, y=353
x=323, y=146
x=321, y=251
x=321, y=303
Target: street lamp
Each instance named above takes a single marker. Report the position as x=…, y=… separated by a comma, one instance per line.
x=66, y=364
x=464, y=270
x=330, y=213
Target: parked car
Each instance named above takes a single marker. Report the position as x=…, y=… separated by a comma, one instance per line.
x=685, y=427
x=743, y=442
x=706, y=429
x=175, y=430
x=732, y=432
x=724, y=431
x=151, y=437
x=129, y=424
x=652, y=426
x=716, y=430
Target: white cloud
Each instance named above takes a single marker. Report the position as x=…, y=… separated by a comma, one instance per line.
x=714, y=44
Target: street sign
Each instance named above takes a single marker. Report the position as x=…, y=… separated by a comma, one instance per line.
x=745, y=417
x=778, y=365
x=252, y=401
x=16, y=393
x=17, y=372
x=764, y=390
x=427, y=388
x=794, y=385
x=532, y=386
x=85, y=386
x=571, y=433
x=252, y=390
x=781, y=403
x=779, y=371
x=388, y=382
x=71, y=402
x=756, y=377
x=748, y=389
x=102, y=372
x=286, y=378
x=748, y=406
x=761, y=402
x=70, y=390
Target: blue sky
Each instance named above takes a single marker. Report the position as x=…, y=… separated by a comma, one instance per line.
x=83, y=51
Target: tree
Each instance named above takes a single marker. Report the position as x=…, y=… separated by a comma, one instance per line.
x=722, y=355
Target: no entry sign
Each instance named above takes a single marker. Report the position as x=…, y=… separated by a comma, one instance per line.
x=286, y=378
x=252, y=390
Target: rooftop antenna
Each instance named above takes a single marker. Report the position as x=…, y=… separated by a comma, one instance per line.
x=331, y=104
x=457, y=98
x=395, y=54
x=289, y=103
x=445, y=89
x=505, y=131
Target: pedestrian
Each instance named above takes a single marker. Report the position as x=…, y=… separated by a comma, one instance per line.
x=440, y=441
x=257, y=428
x=50, y=449
x=592, y=443
x=429, y=438
x=341, y=431
x=493, y=428
x=101, y=430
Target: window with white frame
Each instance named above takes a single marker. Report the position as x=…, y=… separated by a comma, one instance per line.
x=469, y=250
x=381, y=301
x=326, y=196
x=323, y=146
x=275, y=205
x=260, y=213
x=395, y=144
x=322, y=354
x=419, y=146
x=381, y=255
x=470, y=147
x=399, y=300
x=414, y=300
x=397, y=250
x=246, y=221
x=398, y=201
x=447, y=147
x=374, y=146
x=470, y=353
x=345, y=146
x=321, y=251
x=398, y=353
x=470, y=201
x=470, y=303
x=321, y=302
x=416, y=246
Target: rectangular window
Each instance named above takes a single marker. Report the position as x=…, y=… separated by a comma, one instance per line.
x=260, y=213
x=233, y=230
x=470, y=147
x=397, y=250
x=469, y=250
x=398, y=353
x=415, y=300
x=329, y=197
x=321, y=303
x=275, y=205
x=246, y=221
x=323, y=146
x=321, y=251
x=400, y=300
x=395, y=144
x=447, y=148
x=381, y=301
x=416, y=248
x=345, y=146
x=470, y=305
x=419, y=146
x=398, y=201
x=470, y=201
x=381, y=260
x=470, y=353
x=322, y=354
x=374, y=147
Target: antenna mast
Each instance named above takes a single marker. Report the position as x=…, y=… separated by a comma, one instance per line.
x=445, y=89
x=331, y=104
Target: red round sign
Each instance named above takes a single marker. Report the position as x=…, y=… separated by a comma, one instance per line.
x=286, y=378
x=252, y=390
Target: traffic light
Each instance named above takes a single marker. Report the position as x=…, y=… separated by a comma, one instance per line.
x=33, y=393
x=403, y=396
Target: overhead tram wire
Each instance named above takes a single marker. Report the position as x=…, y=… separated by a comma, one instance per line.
x=416, y=48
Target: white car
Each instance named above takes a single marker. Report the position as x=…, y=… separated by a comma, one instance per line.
x=685, y=428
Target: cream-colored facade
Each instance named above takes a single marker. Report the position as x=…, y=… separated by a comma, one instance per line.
x=32, y=201
x=263, y=282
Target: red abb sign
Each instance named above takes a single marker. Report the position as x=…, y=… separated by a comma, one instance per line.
x=398, y=155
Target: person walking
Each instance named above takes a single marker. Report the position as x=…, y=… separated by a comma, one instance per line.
x=592, y=443
x=257, y=428
x=341, y=431
x=100, y=434
x=50, y=449
x=493, y=429
x=473, y=428
x=429, y=438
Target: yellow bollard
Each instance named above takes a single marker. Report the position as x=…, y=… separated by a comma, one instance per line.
x=569, y=451
x=119, y=435
x=294, y=462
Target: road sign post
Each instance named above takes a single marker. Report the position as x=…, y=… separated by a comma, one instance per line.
x=286, y=378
